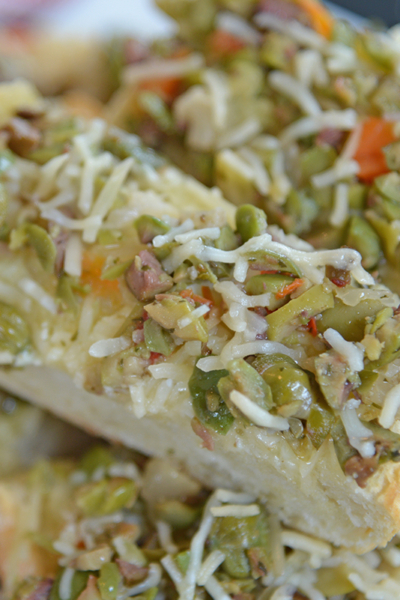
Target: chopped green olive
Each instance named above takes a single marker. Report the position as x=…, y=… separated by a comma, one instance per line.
x=250, y=221
x=125, y=145
x=362, y=237
x=332, y=374
x=316, y=159
x=388, y=441
x=3, y=205
x=246, y=380
x=14, y=332
x=46, y=153
x=149, y=227
x=115, y=271
x=78, y=584
x=389, y=334
x=44, y=246
x=389, y=186
x=298, y=311
x=208, y=405
x=388, y=234
x=288, y=382
x=176, y=513
x=349, y=321
x=95, y=458
x=259, y=284
x=227, y=239
x=7, y=158
x=341, y=441
x=319, y=422
x=235, y=537
x=392, y=156
x=357, y=196
x=157, y=339
x=65, y=293
x=157, y=109
x=109, y=581
x=106, y=496
x=169, y=312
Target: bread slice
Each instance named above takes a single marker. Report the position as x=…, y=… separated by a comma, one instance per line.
x=312, y=495
x=104, y=312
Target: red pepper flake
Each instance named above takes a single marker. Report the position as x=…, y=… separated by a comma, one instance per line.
x=269, y=272
x=312, y=327
x=154, y=356
x=289, y=289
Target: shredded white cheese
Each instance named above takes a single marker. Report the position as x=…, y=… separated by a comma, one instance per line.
x=164, y=533
x=212, y=233
x=256, y=414
x=297, y=92
x=343, y=120
x=359, y=435
x=109, y=347
x=174, y=232
x=35, y=291
x=107, y=196
x=65, y=585
x=342, y=169
x=236, y=510
x=391, y=405
x=215, y=589
x=340, y=210
x=73, y=256
x=301, y=34
x=234, y=497
x=318, y=549
x=198, y=312
x=350, y=352
x=162, y=68
x=209, y=566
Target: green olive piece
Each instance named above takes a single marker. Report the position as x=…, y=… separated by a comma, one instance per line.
x=287, y=381
x=149, y=227
x=14, y=332
x=349, y=321
x=392, y=156
x=236, y=536
x=316, y=159
x=115, y=271
x=109, y=581
x=389, y=335
x=158, y=339
x=362, y=237
x=95, y=458
x=44, y=246
x=208, y=405
x=388, y=234
x=3, y=204
x=170, y=310
x=176, y=513
x=227, y=239
x=259, y=284
x=106, y=496
x=341, y=442
x=250, y=221
x=298, y=311
x=319, y=422
x=246, y=380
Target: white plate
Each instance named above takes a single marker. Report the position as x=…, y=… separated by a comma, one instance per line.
x=139, y=18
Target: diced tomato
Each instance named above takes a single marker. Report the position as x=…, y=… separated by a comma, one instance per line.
x=376, y=134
